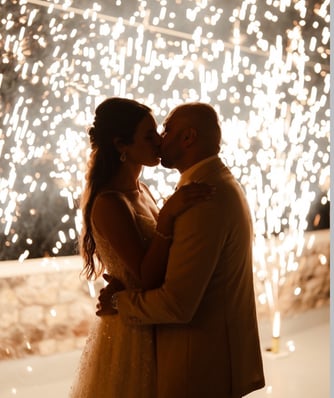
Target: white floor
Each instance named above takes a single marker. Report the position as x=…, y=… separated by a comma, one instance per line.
x=304, y=373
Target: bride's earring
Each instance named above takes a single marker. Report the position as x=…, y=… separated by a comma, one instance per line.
x=123, y=157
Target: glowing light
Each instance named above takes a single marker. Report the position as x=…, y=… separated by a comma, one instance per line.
x=53, y=312
x=322, y=259
x=297, y=291
x=91, y=288
x=276, y=328
x=274, y=98
x=291, y=345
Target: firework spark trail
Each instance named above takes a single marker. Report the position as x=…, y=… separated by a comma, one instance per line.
x=273, y=104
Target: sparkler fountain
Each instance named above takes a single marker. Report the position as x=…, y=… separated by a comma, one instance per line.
x=264, y=68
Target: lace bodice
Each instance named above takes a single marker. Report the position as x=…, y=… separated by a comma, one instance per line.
x=113, y=264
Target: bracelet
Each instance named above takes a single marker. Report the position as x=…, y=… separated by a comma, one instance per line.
x=163, y=236
x=114, y=301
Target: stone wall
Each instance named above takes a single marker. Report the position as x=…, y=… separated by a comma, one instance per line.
x=47, y=308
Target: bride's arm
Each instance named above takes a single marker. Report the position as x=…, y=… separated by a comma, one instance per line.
x=115, y=222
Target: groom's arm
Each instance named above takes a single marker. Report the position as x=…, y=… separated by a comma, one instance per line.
x=198, y=237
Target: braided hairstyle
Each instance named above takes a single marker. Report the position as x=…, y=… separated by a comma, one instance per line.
x=115, y=118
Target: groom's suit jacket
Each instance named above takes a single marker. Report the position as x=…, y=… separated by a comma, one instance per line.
x=207, y=333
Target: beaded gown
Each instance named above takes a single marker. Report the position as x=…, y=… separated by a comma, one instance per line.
x=118, y=360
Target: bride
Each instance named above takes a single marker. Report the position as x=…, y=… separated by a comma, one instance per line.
x=125, y=235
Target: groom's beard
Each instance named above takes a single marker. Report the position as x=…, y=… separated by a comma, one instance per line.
x=171, y=158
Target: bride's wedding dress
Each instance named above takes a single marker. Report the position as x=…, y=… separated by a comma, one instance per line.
x=118, y=360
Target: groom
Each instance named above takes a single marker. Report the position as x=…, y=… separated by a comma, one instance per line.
x=207, y=333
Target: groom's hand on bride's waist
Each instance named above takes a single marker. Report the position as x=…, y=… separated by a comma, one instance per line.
x=106, y=304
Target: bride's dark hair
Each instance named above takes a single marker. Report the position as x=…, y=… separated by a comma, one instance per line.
x=115, y=118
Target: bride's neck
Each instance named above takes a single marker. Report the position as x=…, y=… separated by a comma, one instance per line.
x=126, y=181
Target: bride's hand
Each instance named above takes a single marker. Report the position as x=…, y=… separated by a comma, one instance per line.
x=104, y=304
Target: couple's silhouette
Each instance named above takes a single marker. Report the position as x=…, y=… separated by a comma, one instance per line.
x=178, y=318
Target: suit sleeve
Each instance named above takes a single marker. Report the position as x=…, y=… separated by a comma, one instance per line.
x=199, y=235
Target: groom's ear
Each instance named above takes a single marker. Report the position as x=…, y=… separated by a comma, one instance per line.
x=189, y=136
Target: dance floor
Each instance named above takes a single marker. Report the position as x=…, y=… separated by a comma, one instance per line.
x=302, y=373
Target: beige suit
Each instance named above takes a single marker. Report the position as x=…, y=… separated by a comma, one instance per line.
x=207, y=334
